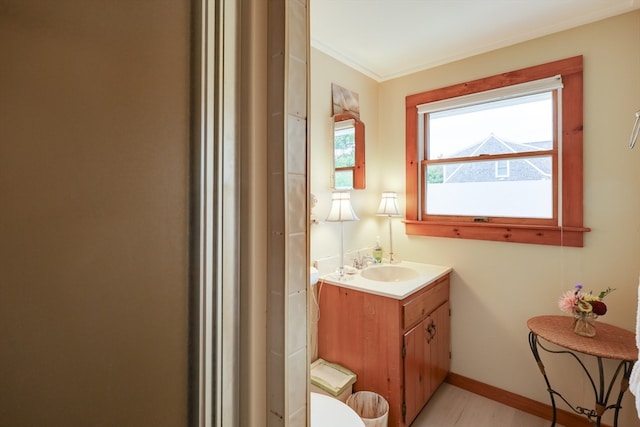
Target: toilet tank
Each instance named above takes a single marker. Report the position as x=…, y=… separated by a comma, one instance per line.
x=332, y=379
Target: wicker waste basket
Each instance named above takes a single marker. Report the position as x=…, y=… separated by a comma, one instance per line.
x=371, y=407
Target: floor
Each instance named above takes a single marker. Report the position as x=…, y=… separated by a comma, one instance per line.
x=454, y=407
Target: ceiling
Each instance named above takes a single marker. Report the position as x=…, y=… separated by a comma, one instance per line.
x=385, y=39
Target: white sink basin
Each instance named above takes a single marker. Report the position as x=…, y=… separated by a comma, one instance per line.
x=398, y=280
x=389, y=273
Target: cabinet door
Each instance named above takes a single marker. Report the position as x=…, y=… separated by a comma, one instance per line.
x=439, y=347
x=416, y=369
x=426, y=361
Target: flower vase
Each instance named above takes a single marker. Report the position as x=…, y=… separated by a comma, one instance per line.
x=583, y=324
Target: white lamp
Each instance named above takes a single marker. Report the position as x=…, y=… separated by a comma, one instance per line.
x=389, y=207
x=341, y=211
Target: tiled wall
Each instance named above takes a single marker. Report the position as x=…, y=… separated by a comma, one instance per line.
x=287, y=282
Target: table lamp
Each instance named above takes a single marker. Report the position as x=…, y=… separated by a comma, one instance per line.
x=389, y=207
x=341, y=211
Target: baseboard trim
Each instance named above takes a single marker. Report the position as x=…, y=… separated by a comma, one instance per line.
x=517, y=401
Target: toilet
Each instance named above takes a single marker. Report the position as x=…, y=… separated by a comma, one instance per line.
x=331, y=385
x=327, y=411
x=331, y=379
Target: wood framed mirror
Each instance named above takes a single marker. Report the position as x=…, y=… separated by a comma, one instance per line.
x=348, y=152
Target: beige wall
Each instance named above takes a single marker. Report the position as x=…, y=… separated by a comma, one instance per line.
x=325, y=236
x=496, y=287
x=94, y=117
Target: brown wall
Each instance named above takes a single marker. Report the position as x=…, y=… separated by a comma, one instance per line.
x=94, y=115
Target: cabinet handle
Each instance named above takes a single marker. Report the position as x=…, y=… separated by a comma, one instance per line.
x=432, y=330
x=427, y=331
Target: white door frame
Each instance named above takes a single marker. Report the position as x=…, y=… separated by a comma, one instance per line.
x=214, y=373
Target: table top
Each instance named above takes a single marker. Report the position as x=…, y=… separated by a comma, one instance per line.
x=610, y=342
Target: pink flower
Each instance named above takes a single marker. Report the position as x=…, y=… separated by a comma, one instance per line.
x=568, y=302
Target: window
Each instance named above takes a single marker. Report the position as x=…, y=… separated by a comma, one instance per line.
x=499, y=158
x=502, y=169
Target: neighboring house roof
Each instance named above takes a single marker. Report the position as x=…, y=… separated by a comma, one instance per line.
x=518, y=169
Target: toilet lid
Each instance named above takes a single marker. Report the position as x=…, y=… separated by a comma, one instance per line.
x=329, y=412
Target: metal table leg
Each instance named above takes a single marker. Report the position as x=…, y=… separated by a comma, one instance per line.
x=602, y=392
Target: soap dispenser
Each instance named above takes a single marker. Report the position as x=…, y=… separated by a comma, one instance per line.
x=377, y=251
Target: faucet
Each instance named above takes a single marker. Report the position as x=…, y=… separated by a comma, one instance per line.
x=363, y=261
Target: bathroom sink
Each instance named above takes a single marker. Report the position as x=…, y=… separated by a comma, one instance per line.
x=389, y=273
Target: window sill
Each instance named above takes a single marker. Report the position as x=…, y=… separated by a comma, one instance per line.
x=541, y=235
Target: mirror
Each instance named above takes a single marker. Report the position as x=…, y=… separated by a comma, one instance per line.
x=348, y=152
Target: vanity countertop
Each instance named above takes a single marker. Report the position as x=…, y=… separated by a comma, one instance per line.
x=428, y=273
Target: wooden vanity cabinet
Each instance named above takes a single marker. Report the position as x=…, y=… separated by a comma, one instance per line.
x=397, y=348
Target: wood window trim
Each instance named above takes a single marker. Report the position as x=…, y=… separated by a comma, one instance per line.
x=571, y=231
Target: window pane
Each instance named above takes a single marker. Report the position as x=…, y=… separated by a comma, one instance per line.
x=345, y=147
x=344, y=180
x=513, y=125
x=475, y=189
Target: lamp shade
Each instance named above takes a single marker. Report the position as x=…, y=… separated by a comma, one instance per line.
x=389, y=204
x=341, y=209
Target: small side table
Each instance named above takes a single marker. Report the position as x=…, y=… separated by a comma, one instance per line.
x=610, y=342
